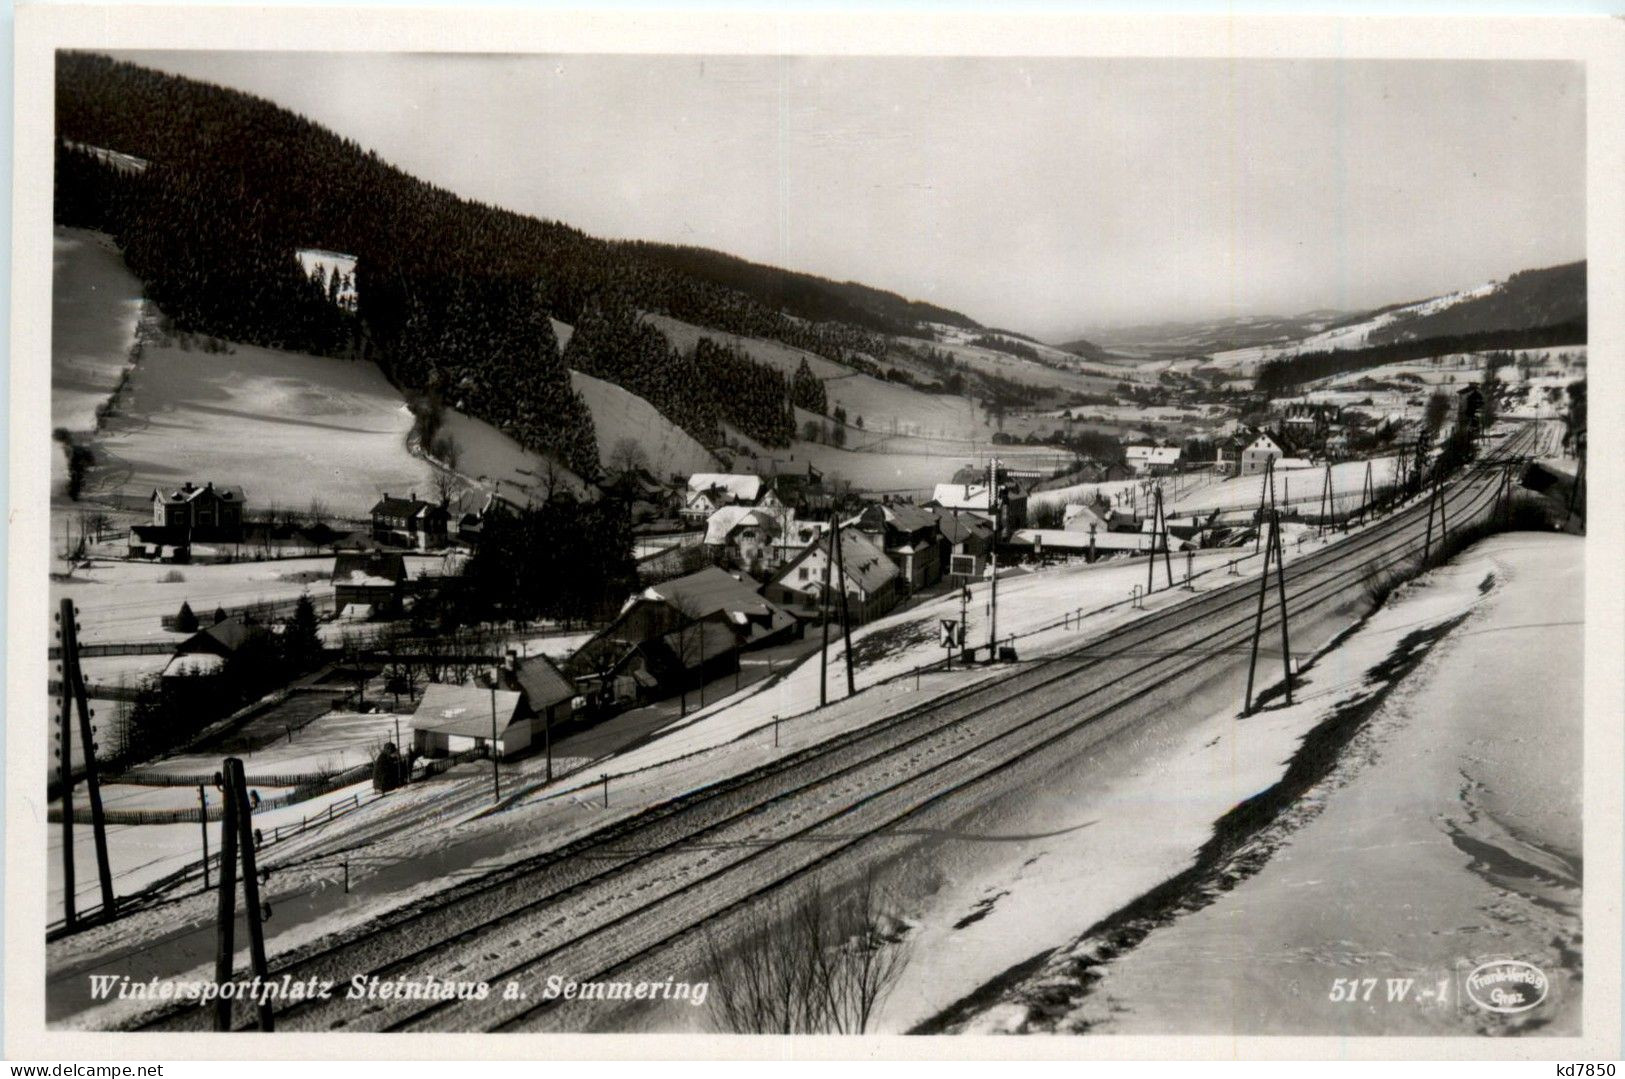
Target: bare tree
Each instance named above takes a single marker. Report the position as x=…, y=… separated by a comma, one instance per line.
x=626, y=456
x=814, y=964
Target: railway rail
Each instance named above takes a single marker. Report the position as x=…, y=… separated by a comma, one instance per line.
x=611, y=900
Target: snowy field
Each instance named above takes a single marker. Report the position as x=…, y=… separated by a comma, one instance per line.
x=332, y=743
x=124, y=601
x=95, y=303
x=1202, y=493
x=619, y=414
x=1465, y=817
x=288, y=428
x=886, y=407
x=142, y=854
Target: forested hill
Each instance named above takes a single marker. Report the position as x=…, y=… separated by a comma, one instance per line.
x=803, y=295
x=450, y=293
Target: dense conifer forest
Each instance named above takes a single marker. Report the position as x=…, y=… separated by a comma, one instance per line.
x=453, y=296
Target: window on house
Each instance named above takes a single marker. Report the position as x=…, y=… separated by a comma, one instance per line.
x=802, y=573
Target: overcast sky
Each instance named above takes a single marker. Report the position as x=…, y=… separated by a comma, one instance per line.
x=1050, y=196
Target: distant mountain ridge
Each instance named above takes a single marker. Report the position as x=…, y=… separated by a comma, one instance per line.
x=1527, y=301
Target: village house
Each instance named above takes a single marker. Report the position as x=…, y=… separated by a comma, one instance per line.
x=193, y=513
x=1049, y=544
x=672, y=633
x=804, y=492
x=368, y=584
x=870, y=588
x=410, y=522
x=549, y=695
x=207, y=650
x=964, y=541
x=1081, y=518
x=1152, y=460
x=908, y=535
x=973, y=498
x=748, y=537
x=710, y=491
x=1260, y=452
x=456, y=719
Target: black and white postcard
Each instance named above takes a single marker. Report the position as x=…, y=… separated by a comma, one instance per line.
x=873, y=529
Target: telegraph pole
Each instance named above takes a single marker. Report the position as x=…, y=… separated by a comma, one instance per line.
x=1272, y=550
x=994, y=503
x=823, y=653
x=225, y=924
x=64, y=752
x=846, y=613
x=256, y=912
x=496, y=781
x=74, y=698
x=1325, y=499
x=203, y=825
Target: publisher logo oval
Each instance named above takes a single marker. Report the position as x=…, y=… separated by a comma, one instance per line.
x=1507, y=986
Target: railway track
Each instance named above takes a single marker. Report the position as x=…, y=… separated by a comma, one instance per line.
x=613, y=899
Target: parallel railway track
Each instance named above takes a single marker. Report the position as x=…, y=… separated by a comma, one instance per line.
x=613, y=899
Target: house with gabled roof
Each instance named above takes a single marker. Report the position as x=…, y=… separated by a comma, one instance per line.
x=1150, y=460
x=908, y=535
x=708, y=492
x=870, y=588
x=674, y=632
x=961, y=536
x=1264, y=448
x=190, y=512
x=747, y=537
x=409, y=522
x=368, y=584
x=454, y=719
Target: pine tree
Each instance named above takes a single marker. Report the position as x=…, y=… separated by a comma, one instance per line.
x=185, y=620
x=301, y=637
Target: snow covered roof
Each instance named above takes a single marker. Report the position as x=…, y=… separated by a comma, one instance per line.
x=465, y=710
x=542, y=683
x=1060, y=539
x=961, y=496
x=190, y=662
x=743, y=488
x=711, y=590
x=720, y=525
x=371, y=569
x=1153, y=455
x=190, y=492
x=1077, y=518
x=957, y=528
x=866, y=564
